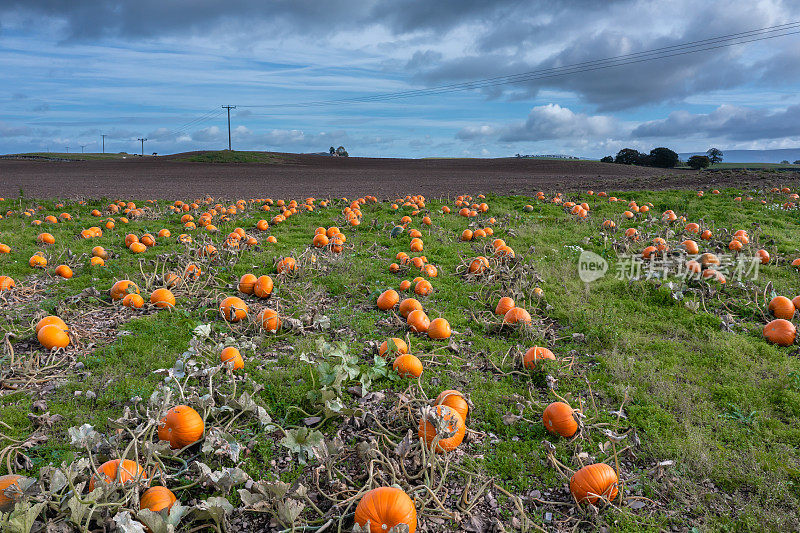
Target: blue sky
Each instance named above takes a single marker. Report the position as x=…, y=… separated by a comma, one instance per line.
x=74, y=70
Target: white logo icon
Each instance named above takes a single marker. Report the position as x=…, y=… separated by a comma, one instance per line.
x=591, y=266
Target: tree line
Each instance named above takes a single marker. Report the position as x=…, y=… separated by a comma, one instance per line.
x=662, y=157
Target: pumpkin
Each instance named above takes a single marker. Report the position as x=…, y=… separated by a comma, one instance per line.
x=478, y=265
x=263, y=287
x=320, y=240
x=181, y=426
x=233, y=309
x=706, y=235
x=782, y=307
x=6, y=283
x=134, y=301
x=384, y=508
x=118, y=470
x=407, y=365
x=388, y=299
x=505, y=304
x=423, y=287
x=51, y=320
x=691, y=247
x=454, y=400
x=157, y=498
x=796, y=302
x=99, y=251
x=450, y=420
x=9, y=481
x=400, y=347
x=64, y=271
x=418, y=321
x=123, y=287
x=536, y=354
x=439, y=328
x=286, y=265
x=763, y=256
x=559, y=419
x=37, y=261
x=52, y=336
x=97, y=261
x=517, y=315
x=231, y=354
x=162, y=298
x=269, y=320
x=405, y=285
x=46, y=238
x=780, y=332
x=247, y=283
x=593, y=482
x=708, y=259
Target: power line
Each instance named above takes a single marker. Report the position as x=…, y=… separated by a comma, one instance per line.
x=665, y=52
x=143, y=140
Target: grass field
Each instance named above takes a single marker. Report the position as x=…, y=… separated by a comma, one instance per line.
x=680, y=393
x=78, y=157
x=227, y=156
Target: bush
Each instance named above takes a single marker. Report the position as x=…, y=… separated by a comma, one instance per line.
x=699, y=161
x=663, y=158
x=629, y=156
x=607, y=159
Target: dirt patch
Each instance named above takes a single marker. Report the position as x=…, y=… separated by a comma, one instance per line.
x=323, y=176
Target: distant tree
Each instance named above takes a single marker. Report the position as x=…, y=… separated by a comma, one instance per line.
x=784, y=162
x=341, y=152
x=797, y=162
x=628, y=156
x=662, y=158
x=714, y=155
x=699, y=161
x=607, y=159
x=519, y=155
x=332, y=150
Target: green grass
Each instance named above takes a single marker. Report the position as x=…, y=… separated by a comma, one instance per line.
x=228, y=156
x=724, y=406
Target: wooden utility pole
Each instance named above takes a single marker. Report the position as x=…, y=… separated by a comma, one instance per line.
x=229, y=107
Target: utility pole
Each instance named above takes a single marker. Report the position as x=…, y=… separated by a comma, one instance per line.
x=143, y=140
x=82, y=147
x=67, y=147
x=229, y=107
x=103, y=135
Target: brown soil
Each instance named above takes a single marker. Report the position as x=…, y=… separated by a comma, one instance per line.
x=322, y=176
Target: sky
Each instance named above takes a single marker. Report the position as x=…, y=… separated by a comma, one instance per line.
x=72, y=71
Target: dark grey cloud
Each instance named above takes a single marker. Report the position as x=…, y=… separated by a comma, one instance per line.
x=726, y=122
x=86, y=19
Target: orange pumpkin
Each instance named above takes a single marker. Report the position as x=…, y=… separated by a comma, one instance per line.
x=48, y=320
x=400, y=347
x=263, y=287
x=517, y=315
x=181, y=426
x=782, y=307
x=64, y=271
x=232, y=355
x=423, y=287
x=780, y=332
x=52, y=336
x=593, y=482
x=536, y=354
x=559, y=419
x=454, y=400
x=384, y=508
x=451, y=420
x=763, y=256
x=407, y=366
x=439, y=328
x=123, y=287
x=286, y=265
x=418, y=321
x=505, y=304
x=157, y=499
x=134, y=301
x=8, y=500
x=233, y=309
x=269, y=319
x=247, y=283
x=388, y=299
x=408, y=305
x=162, y=298
x=118, y=470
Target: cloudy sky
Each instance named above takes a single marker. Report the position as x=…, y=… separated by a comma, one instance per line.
x=161, y=69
